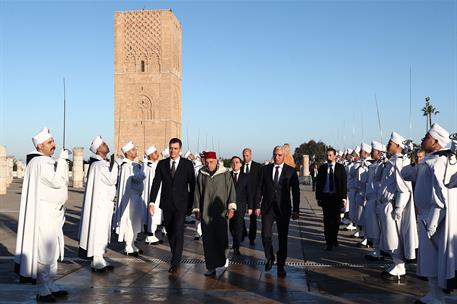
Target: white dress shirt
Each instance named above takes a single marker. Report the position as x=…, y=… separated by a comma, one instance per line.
x=250, y=166
x=327, y=180
x=279, y=169
x=176, y=162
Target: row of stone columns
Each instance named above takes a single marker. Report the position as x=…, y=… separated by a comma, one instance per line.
x=7, y=165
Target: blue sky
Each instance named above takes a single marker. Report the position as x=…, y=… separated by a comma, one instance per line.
x=255, y=73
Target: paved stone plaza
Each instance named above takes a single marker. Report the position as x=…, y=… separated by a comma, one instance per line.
x=313, y=275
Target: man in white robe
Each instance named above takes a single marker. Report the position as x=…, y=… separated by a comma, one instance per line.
x=436, y=241
x=151, y=222
x=396, y=212
x=352, y=190
x=40, y=240
x=130, y=210
x=98, y=206
x=371, y=220
x=361, y=186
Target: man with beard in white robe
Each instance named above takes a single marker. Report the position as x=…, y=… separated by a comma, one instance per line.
x=98, y=206
x=372, y=229
x=347, y=162
x=151, y=221
x=130, y=210
x=396, y=212
x=361, y=184
x=40, y=240
x=352, y=190
x=434, y=207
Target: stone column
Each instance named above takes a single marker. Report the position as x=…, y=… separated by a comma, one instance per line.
x=305, y=165
x=3, y=170
x=78, y=172
x=10, y=165
x=20, y=169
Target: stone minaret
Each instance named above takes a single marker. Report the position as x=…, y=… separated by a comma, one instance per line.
x=147, y=78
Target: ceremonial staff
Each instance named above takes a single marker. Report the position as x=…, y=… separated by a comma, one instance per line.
x=64, y=112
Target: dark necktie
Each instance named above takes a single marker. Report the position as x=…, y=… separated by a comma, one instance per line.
x=276, y=178
x=235, y=177
x=247, y=168
x=331, y=186
x=173, y=169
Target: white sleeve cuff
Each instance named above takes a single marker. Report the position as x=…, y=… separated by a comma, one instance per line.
x=152, y=203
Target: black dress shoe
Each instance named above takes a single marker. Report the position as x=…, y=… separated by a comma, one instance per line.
x=251, y=243
x=46, y=299
x=196, y=238
x=236, y=251
x=173, y=269
x=269, y=264
x=328, y=248
x=107, y=268
x=336, y=244
x=134, y=254
x=281, y=272
x=60, y=293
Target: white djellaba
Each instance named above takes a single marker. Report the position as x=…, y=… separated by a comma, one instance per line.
x=97, y=209
x=436, y=200
x=397, y=214
x=130, y=209
x=40, y=240
x=151, y=222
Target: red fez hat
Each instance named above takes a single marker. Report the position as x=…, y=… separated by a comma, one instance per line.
x=210, y=155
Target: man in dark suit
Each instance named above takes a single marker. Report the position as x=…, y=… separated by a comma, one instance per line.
x=177, y=177
x=252, y=170
x=331, y=194
x=243, y=199
x=274, y=204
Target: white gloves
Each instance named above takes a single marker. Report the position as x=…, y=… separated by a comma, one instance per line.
x=397, y=213
x=435, y=216
x=65, y=154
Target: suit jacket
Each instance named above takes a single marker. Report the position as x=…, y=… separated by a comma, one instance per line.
x=243, y=192
x=254, y=178
x=268, y=194
x=340, y=181
x=177, y=193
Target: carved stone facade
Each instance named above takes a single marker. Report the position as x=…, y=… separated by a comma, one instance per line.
x=147, y=78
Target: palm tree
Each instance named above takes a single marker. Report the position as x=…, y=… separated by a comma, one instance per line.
x=428, y=110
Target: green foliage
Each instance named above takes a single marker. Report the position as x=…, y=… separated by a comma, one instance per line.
x=315, y=150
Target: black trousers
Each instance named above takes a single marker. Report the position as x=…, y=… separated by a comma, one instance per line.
x=282, y=224
x=237, y=227
x=331, y=206
x=252, y=226
x=174, y=224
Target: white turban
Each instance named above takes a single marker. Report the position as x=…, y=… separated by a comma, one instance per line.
x=366, y=147
x=41, y=137
x=150, y=150
x=95, y=144
x=349, y=151
x=398, y=139
x=187, y=154
x=440, y=134
x=378, y=146
x=129, y=146
x=357, y=150
x=166, y=153
x=340, y=153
